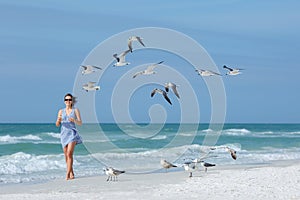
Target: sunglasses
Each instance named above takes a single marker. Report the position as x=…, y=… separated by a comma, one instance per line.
x=68, y=99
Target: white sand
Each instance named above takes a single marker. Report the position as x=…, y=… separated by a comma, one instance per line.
x=276, y=181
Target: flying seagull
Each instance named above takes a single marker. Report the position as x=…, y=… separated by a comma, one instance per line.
x=121, y=59
x=88, y=69
x=111, y=172
x=90, y=86
x=167, y=165
x=164, y=93
x=232, y=71
x=230, y=150
x=203, y=72
x=173, y=86
x=148, y=71
x=134, y=38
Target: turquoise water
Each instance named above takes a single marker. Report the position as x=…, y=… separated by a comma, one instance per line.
x=32, y=152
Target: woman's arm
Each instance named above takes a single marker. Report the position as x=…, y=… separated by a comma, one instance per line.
x=59, y=118
x=78, y=118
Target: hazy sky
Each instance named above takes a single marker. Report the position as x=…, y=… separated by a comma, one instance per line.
x=43, y=44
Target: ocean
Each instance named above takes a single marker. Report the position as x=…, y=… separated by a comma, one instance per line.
x=33, y=153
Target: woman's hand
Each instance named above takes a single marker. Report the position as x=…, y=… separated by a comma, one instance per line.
x=58, y=120
x=71, y=119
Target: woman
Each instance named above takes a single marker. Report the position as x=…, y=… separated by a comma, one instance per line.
x=69, y=137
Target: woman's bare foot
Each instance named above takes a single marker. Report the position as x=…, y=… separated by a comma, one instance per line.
x=72, y=175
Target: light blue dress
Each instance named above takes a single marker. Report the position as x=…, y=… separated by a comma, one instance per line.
x=68, y=131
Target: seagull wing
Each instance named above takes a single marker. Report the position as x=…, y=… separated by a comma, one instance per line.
x=205, y=164
x=166, y=97
x=91, y=84
x=230, y=69
x=117, y=172
x=130, y=44
x=116, y=57
x=215, y=73
x=233, y=155
x=123, y=54
x=140, y=40
x=138, y=73
x=153, y=92
x=167, y=87
x=173, y=86
x=167, y=164
x=151, y=67
x=199, y=70
x=84, y=67
x=97, y=67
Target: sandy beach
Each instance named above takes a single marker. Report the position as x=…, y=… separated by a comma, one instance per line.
x=280, y=180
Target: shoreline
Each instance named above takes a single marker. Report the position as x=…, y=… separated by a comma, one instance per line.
x=276, y=180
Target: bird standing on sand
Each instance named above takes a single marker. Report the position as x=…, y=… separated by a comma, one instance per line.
x=134, y=38
x=206, y=165
x=88, y=69
x=148, y=71
x=174, y=88
x=190, y=167
x=121, y=59
x=232, y=71
x=111, y=172
x=164, y=93
x=167, y=165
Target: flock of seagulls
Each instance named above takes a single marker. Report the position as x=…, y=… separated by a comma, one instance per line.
x=189, y=166
x=150, y=70
x=192, y=165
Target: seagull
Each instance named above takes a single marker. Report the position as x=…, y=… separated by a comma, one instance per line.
x=164, y=93
x=90, y=86
x=190, y=167
x=165, y=164
x=206, y=165
x=232, y=152
x=232, y=71
x=121, y=59
x=88, y=69
x=173, y=86
x=111, y=172
x=203, y=72
x=134, y=38
x=147, y=71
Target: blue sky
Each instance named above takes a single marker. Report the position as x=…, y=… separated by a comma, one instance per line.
x=43, y=43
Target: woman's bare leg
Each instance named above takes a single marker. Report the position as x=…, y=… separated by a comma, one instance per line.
x=69, y=155
x=66, y=158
